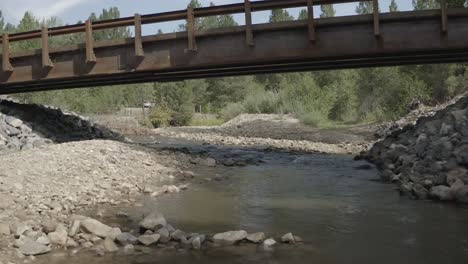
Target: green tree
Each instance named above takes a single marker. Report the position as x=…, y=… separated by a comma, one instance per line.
x=280, y=15
x=393, y=6
x=365, y=8
x=327, y=11
x=2, y=22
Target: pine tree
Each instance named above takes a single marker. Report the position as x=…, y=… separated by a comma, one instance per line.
x=280, y=15
x=327, y=11
x=365, y=8
x=393, y=6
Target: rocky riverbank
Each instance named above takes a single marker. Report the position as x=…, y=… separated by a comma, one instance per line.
x=430, y=158
x=28, y=126
x=57, y=181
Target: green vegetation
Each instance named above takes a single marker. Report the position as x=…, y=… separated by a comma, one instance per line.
x=317, y=98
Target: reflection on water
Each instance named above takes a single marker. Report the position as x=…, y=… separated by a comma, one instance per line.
x=342, y=213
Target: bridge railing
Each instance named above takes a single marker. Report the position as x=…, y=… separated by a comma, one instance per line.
x=190, y=14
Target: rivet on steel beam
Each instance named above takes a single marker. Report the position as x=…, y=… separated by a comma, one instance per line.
x=443, y=9
x=6, y=65
x=310, y=20
x=376, y=18
x=46, y=61
x=138, y=37
x=248, y=23
x=90, y=56
x=192, y=45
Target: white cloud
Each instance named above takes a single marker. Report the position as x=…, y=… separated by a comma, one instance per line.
x=15, y=9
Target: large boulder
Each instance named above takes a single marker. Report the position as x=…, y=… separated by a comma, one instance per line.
x=95, y=227
x=32, y=248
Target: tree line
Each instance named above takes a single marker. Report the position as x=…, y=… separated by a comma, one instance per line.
x=316, y=98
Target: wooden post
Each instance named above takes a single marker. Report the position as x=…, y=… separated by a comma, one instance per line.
x=46, y=61
x=310, y=16
x=90, y=56
x=443, y=9
x=248, y=23
x=138, y=37
x=192, y=45
x=6, y=65
x=376, y=18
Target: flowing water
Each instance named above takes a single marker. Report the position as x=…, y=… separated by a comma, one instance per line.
x=341, y=211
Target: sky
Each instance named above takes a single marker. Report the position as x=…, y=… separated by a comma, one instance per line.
x=71, y=11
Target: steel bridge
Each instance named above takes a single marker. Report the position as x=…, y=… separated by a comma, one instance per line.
x=378, y=39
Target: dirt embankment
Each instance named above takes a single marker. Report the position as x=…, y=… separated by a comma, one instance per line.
x=278, y=132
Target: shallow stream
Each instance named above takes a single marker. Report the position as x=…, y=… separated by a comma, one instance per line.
x=340, y=209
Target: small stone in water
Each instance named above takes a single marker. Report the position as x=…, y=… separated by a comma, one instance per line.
x=288, y=238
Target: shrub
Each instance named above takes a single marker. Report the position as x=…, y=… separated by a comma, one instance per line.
x=160, y=116
x=232, y=110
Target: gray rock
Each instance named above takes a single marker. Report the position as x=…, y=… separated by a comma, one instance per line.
x=129, y=249
x=288, y=238
x=454, y=175
x=109, y=245
x=126, y=239
x=21, y=229
x=268, y=244
x=95, y=227
x=197, y=241
x=43, y=239
x=178, y=235
x=153, y=221
x=32, y=248
x=256, y=237
x=230, y=237
x=14, y=122
x=441, y=192
x=461, y=194
x=5, y=229
x=165, y=236
x=59, y=236
x=74, y=228
x=49, y=226
x=148, y=240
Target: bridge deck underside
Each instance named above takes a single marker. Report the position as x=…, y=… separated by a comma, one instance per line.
x=342, y=42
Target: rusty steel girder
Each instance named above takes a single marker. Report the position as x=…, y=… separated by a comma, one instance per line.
x=343, y=42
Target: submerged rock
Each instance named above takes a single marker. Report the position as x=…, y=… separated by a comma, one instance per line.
x=288, y=238
x=126, y=239
x=256, y=237
x=443, y=193
x=148, y=240
x=230, y=237
x=153, y=221
x=32, y=248
x=109, y=245
x=268, y=244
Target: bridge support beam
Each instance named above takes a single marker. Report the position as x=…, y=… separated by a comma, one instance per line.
x=248, y=24
x=443, y=8
x=138, y=37
x=90, y=56
x=6, y=65
x=310, y=15
x=376, y=18
x=192, y=45
x=46, y=61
